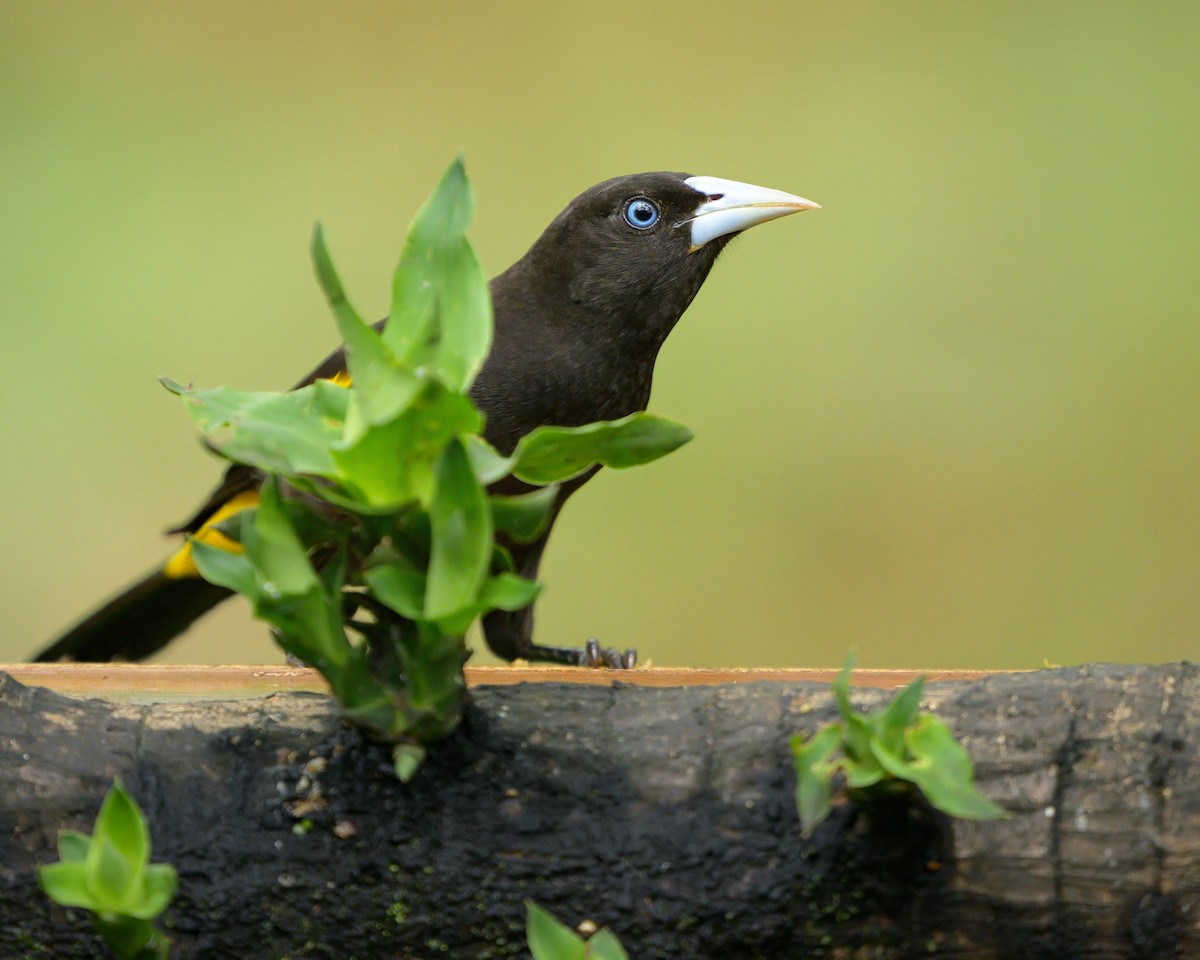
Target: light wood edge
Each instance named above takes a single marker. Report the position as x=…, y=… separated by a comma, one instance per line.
x=171, y=681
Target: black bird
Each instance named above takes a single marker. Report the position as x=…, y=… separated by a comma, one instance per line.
x=579, y=321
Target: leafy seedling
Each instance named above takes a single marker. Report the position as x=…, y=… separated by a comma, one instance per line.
x=887, y=751
x=110, y=874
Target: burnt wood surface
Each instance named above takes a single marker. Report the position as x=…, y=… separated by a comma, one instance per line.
x=666, y=813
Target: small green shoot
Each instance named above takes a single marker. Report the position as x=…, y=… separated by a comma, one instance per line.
x=550, y=939
x=110, y=874
x=373, y=546
x=883, y=752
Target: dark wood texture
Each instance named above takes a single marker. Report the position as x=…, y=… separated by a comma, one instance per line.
x=665, y=812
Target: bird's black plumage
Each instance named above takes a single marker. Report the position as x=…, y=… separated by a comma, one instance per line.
x=581, y=317
x=579, y=321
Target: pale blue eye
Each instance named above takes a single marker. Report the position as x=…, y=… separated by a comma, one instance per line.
x=641, y=214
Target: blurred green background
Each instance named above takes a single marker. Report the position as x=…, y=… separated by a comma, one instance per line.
x=952, y=419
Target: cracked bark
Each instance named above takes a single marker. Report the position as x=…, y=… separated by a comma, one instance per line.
x=665, y=813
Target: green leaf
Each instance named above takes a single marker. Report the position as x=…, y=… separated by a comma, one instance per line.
x=552, y=454
x=233, y=571
x=857, y=738
x=893, y=760
x=159, y=883
x=486, y=460
x=466, y=316
x=394, y=464
x=526, y=516
x=862, y=769
x=814, y=774
x=383, y=386
x=412, y=321
x=407, y=759
x=507, y=591
x=840, y=688
x=943, y=771
x=73, y=846
x=111, y=874
x=461, y=527
x=67, y=884
x=457, y=623
x=411, y=324
x=899, y=714
x=379, y=469
x=281, y=432
x=348, y=321
x=120, y=844
x=285, y=591
x=549, y=939
x=504, y=591
x=441, y=307
x=275, y=550
x=605, y=946
x=382, y=390
x=863, y=773
x=339, y=496
x=401, y=589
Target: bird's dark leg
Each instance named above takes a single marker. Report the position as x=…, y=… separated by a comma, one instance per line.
x=510, y=634
x=591, y=655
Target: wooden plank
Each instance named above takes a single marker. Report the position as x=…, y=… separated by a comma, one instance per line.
x=167, y=682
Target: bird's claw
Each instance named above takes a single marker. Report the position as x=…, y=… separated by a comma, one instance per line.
x=591, y=656
x=594, y=655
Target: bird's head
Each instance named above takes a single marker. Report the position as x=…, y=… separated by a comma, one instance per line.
x=637, y=248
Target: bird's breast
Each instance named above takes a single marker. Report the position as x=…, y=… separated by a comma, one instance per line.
x=566, y=388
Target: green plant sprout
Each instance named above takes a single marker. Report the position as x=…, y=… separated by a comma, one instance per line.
x=110, y=874
x=550, y=939
x=372, y=545
x=889, y=750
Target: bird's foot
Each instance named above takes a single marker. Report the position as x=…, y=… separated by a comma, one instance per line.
x=592, y=655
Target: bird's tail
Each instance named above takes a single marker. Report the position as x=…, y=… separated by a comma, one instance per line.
x=139, y=621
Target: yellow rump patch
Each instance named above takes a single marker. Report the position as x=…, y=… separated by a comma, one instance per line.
x=182, y=564
x=341, y=379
